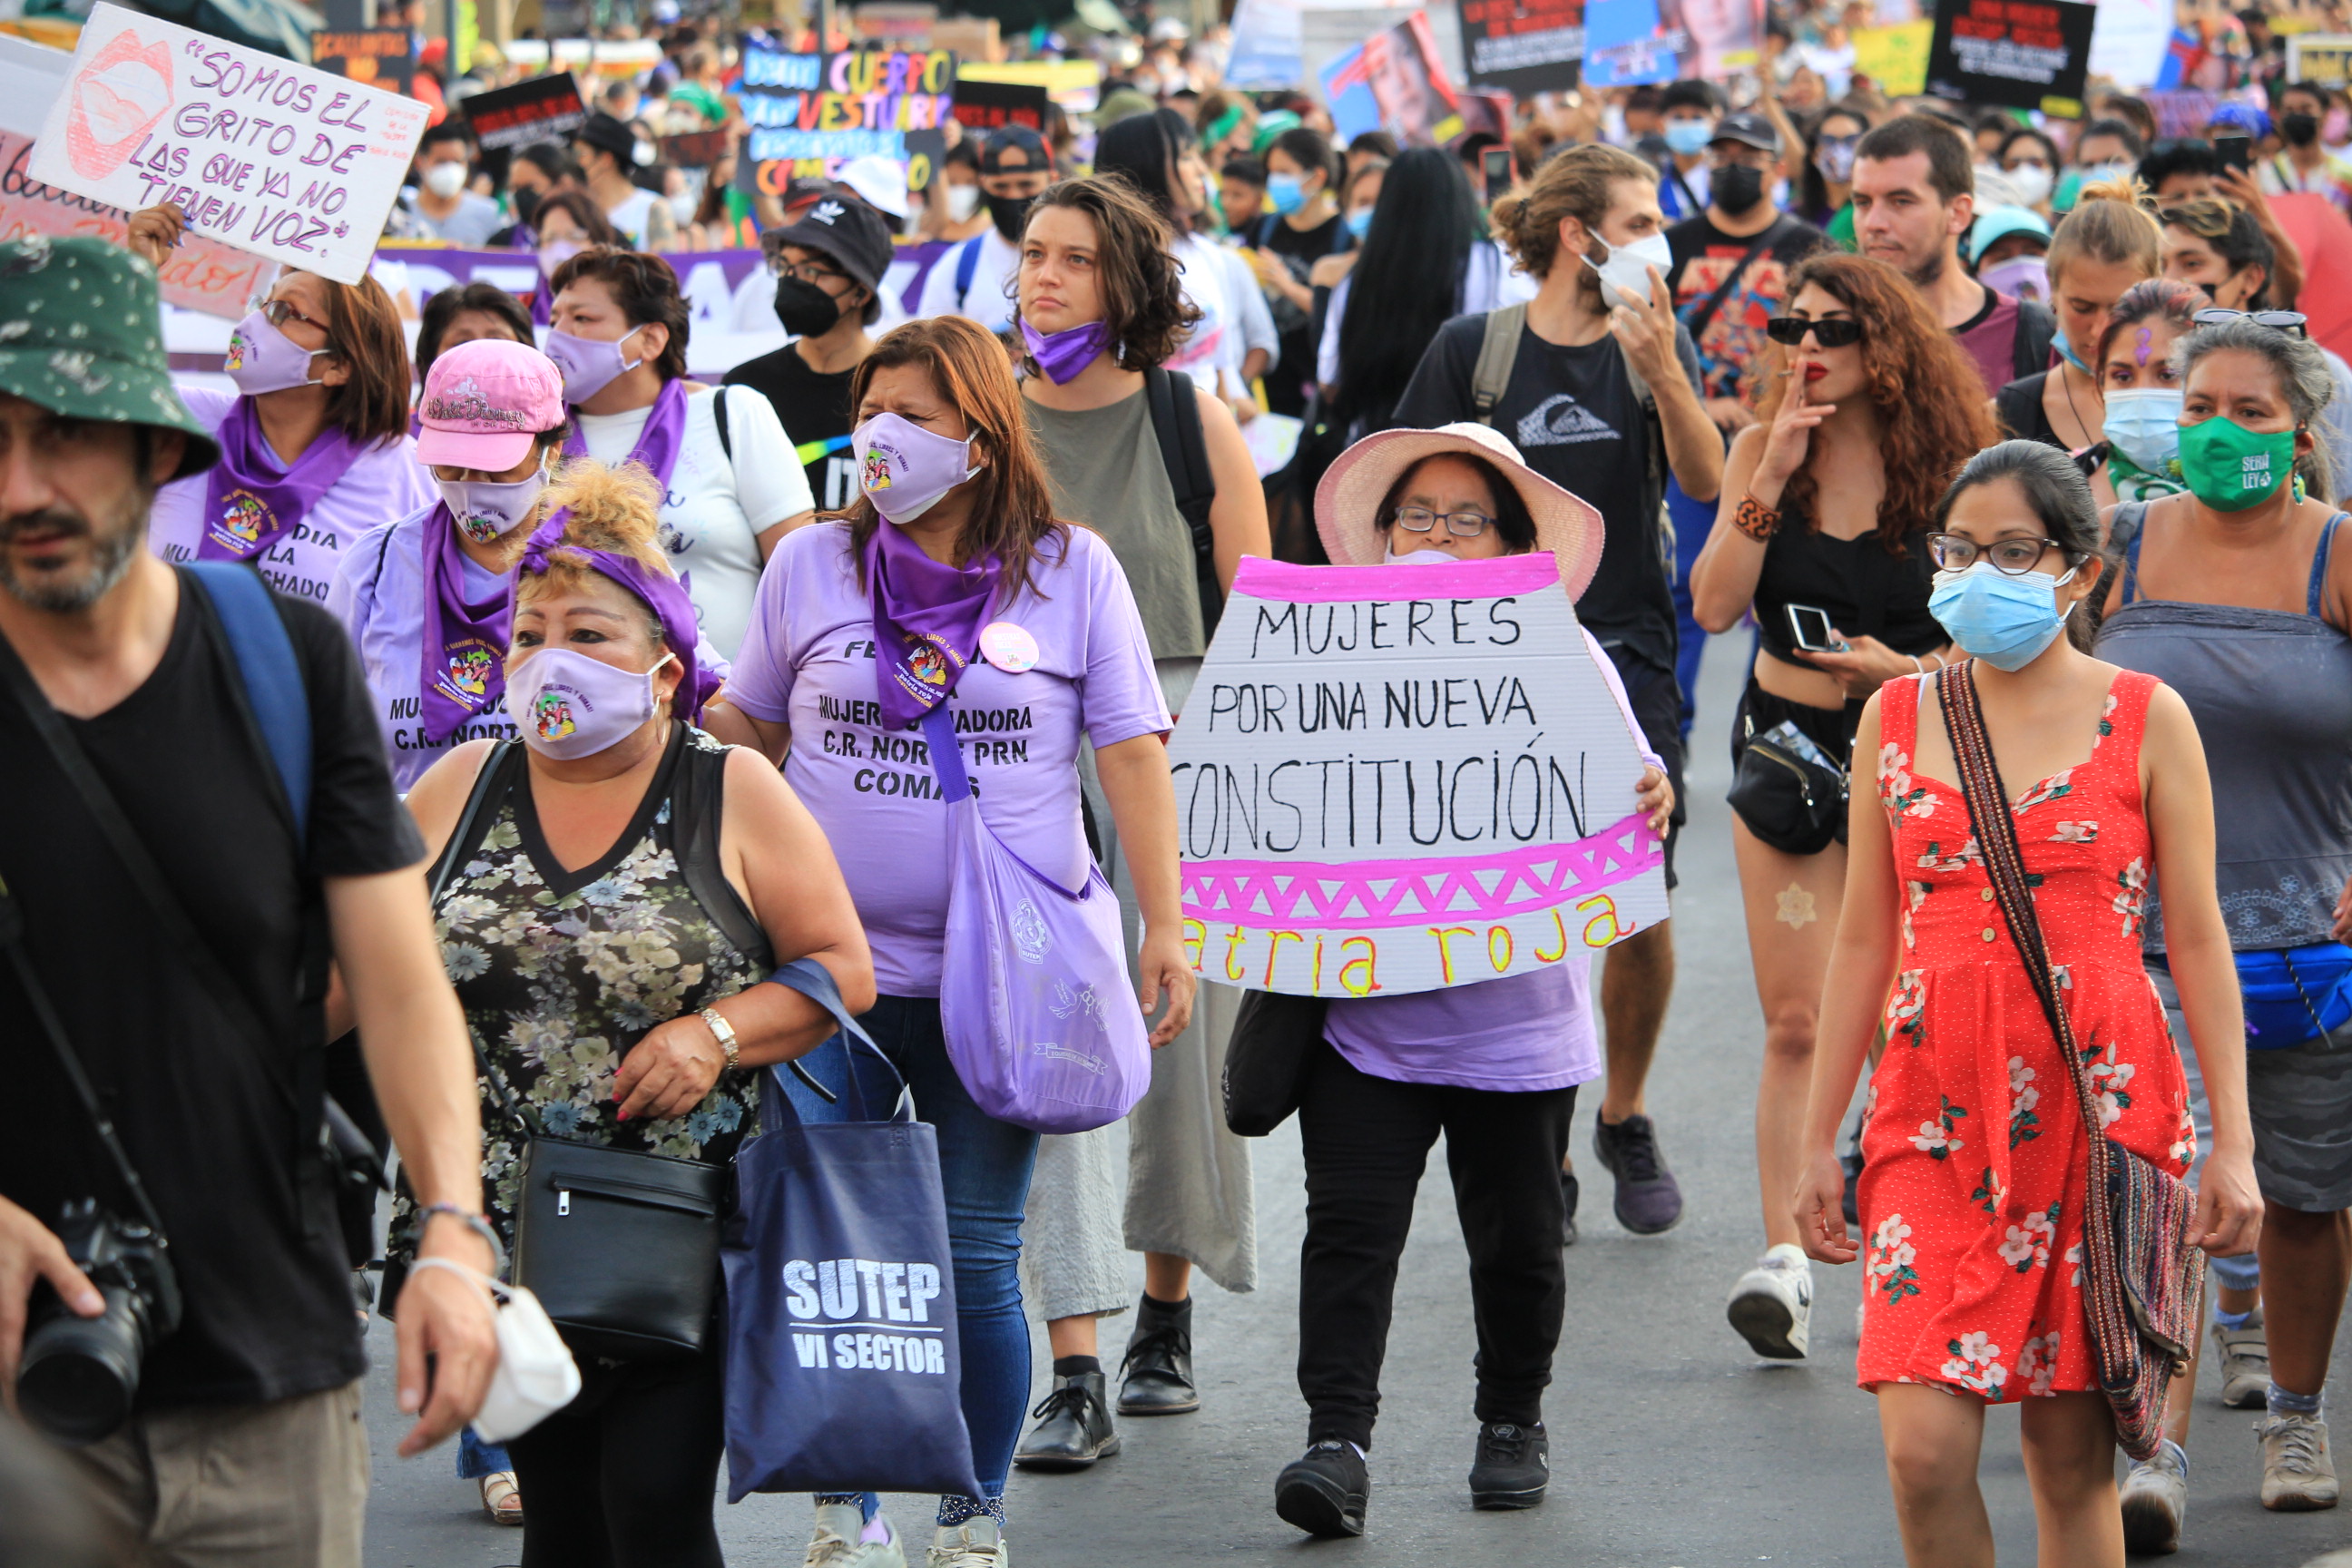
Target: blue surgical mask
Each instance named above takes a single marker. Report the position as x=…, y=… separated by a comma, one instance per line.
x=2003, y=620
x=1359, y=222
x=1688, y=138
x=2143, y=423
x=2066, y=352
x=1285, y=192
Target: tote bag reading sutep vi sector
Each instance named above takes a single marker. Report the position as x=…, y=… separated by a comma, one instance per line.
x=1033, y=979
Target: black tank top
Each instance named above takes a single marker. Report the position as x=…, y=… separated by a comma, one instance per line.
x=1864, y=590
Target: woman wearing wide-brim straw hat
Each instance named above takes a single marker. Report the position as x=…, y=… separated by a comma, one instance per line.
x=1493, y=1066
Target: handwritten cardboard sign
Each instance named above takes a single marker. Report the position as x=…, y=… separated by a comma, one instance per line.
x=543, y=109
x=381, y=56
x=276, y=159
x=809, y=115
x=1393, y=779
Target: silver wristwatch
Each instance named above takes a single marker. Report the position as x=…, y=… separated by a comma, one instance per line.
x=724, y=1032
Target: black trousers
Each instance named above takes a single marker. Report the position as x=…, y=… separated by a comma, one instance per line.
x=624, y=1477
x=1367, y=1141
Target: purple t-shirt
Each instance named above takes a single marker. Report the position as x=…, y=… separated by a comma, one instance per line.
x=1517, y=1035
x=1990, y=339
x=808, y=662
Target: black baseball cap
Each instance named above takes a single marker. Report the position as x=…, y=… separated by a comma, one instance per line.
x=1750, y=129
x=1006, y=137
x=848, y=230
x=607, y=134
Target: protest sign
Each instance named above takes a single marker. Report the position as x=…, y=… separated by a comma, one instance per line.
x=2129, y=39
x=2020, y=54
x=277, y=159
x=696, y=149
x=543, y=109
x=2324, y=59
x=1394, y=82
x=1628, y=42
x=1265, y=54
x=809, y=115
x=381, y=56
x=1393, y=779
x=984, y=106
x=1075, y=85
x=1894, y=59
x=1522, y=46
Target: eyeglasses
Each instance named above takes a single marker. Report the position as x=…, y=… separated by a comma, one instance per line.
x=806, y=271
x=1461, y=524
x=1829, y=332
x=2277, y=321
x=278, y=312
x=2011, y=557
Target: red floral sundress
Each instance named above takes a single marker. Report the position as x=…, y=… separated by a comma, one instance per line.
x=1974, y=1156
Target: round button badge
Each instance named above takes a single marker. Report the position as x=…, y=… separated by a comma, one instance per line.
x=1009, y=647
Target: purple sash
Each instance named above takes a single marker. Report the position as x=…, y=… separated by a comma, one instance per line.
x=927, y=618
x=249, y=505
x=465, y=642
x=657, y=444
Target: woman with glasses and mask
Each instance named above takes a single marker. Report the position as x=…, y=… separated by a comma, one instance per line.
x=1822, y=533
x=1976, y=1160
x=828, y=270
x=315, y=449
x=618, y=335
x=2238, y=595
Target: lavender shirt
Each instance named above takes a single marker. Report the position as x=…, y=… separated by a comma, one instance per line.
x=808, y=662
x=1519, y=1034
x=384, y=482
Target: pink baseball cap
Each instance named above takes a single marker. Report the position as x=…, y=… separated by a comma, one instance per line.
x=483, y=402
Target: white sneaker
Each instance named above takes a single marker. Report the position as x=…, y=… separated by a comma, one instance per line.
x=836, y=1544
x=2244, y=1355
x=974, y=1544
x=2297, y=1474
x=2156, y=1503
x=1772, y=1305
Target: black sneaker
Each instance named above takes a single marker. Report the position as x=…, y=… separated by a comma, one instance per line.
x=1567, y=1196
x=1074, y=1426
x=1155, y=1378
x=1324, y=1490
x=1649, y=1199
x=1512, y=1467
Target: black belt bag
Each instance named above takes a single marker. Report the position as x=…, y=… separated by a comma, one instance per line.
x=620, y=1248
x=1791, y=802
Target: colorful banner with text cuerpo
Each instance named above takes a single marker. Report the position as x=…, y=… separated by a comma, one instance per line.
x=811, y=113
x=1393, y=779
x=270, y=157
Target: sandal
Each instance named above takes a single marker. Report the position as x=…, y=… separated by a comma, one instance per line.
x=502, y=1499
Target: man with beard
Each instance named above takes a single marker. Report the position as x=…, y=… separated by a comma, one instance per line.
x=1914, y=199
x=973, y=279
x=176, y=929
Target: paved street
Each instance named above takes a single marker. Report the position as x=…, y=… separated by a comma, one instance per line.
x=1670, y=1446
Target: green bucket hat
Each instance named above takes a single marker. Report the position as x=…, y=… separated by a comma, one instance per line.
x=81, y=334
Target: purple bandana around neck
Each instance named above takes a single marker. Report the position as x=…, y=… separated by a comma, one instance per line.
x=249, y=503
x=657, y=444
x=1061, y=355
x=665, y=593
x=927, y=618
x=464, y=641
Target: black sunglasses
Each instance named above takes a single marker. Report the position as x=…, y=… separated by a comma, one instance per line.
x=1831, y=331
x=2277, y=321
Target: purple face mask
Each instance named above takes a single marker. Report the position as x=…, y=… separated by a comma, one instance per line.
x=567, y=705
x=904, y=469
x=262, y=359
x=1061, y=355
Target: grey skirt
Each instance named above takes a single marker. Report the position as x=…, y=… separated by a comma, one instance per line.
x=2300, y=1100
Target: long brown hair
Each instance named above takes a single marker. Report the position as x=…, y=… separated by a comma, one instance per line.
x=1013, y=505
x=1143, y=302
x=1930, y=399
x=364, y=331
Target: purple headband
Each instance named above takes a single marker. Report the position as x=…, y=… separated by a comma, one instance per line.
x=664, y=593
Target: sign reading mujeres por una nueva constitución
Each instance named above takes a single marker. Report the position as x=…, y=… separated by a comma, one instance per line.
x=1400, y=778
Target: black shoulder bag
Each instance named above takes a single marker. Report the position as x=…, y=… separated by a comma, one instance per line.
x=1184, y=453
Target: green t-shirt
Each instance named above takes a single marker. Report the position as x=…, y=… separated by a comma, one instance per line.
x=1841, y=228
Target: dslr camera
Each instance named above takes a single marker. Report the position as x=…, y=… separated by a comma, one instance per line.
x=80, y=1376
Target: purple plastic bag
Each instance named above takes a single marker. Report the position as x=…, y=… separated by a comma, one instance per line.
x=1032, y=980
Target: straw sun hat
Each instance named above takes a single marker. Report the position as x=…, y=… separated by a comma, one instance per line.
x=1349, y=498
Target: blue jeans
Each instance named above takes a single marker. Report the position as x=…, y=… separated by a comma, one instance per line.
x=477, y=1458
x=984, y=1167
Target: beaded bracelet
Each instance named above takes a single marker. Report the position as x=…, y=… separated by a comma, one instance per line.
x=1755, y=520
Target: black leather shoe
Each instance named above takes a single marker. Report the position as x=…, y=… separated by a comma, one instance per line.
x=1324, y=1490
x=1512, y=1467
x=1155, y=1378
x=1074, y=1426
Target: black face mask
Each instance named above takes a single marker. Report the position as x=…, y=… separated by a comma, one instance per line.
x=1737, y=188
x=2300, y=130
x=803, y=309
x=526, y=204
x=1008, y=213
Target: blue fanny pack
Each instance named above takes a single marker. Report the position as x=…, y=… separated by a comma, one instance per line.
x=2296, y=994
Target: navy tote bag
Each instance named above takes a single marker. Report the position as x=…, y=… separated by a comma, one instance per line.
x=842, y=1367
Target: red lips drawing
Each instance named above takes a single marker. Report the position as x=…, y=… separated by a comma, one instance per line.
x=117, y=99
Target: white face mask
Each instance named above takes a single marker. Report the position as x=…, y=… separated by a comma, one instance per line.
x=963, y=202
x=2032, y=183
x=445, y=180
x=683, y=204
x=1626, y=277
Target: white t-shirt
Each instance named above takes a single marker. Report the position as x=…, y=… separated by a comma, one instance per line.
x=716, y=509
x=988, y=300
x=382, y=483
x=1489, y=282
x=631, y=215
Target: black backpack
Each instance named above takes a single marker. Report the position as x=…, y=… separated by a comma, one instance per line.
x=1184, y=452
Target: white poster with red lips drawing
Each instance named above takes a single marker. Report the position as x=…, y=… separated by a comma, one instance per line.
x=267, y=156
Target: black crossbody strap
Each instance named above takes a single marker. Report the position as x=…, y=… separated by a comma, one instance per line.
x=490, y=788
x=1714, y=302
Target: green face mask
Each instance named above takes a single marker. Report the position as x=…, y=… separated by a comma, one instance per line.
x=2231, y=467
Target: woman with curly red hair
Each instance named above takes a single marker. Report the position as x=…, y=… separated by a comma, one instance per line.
x=1822, y=530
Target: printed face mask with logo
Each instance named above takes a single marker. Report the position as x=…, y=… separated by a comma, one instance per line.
x=2143, y=423
x=262, y=359
x=486, y=509
x=2003, y=620
x=589, y=366
x=904, y=469
x=2019, y=277
x=555, y=253
x=1625, y=276
x=570, y=706
x=2231, y=467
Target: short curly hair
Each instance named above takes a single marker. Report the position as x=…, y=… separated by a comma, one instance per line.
x=1142, y=294
x=645, y=289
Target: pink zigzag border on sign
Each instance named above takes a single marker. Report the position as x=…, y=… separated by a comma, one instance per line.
x=1266, y=894
x=1500, y=577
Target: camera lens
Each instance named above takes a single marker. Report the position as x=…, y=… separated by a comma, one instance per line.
x=80, y=1374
